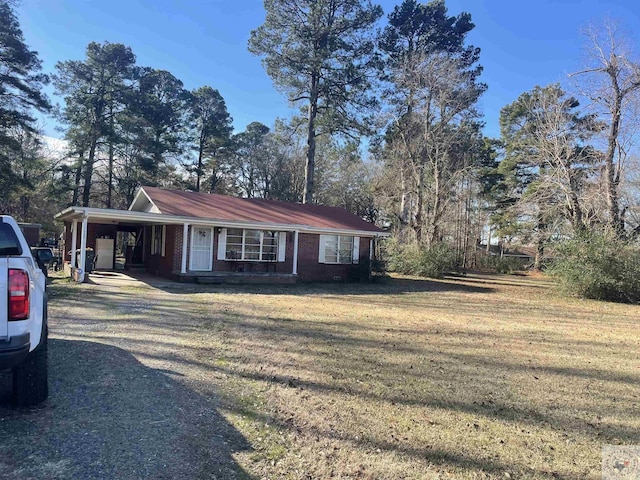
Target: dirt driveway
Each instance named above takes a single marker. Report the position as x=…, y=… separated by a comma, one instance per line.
x=127, y=398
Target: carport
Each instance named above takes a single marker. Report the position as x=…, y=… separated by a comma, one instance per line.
x=80, y=220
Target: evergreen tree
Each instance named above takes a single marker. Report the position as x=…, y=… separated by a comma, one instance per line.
x=20, y=94
x=212, y=127
x=548, y=167
x=95, y=92
x=321, y=53
x=434, y=138
x=156, y=122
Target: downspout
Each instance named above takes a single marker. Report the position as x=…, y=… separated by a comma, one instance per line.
x=295, y=253
x=83, y=249
x=185, y=232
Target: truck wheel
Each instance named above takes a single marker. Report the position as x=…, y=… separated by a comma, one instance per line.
x=30, y=381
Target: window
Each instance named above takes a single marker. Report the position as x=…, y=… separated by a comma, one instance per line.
x=9, y=244
x=158, y=240
x=339, y=249
x=256, y=245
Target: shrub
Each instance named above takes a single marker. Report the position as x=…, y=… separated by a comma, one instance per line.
x=505, y=265
x=598, y=266
x=413, y=259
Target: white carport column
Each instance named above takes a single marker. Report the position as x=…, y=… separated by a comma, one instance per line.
x=371, y=247
x=295, y=253
x=185, y=233
x=83, y=249
x=74, y=243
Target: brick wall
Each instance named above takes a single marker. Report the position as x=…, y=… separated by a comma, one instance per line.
x=94, y=230
x=177, y=248
x=309, y=270
x=157, y=264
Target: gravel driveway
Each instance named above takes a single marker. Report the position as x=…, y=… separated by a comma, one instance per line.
x=131, y=396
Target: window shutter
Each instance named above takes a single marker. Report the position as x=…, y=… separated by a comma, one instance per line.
x=222, y=244
x=322, y=249
x=153, y=240
x=282, y=246
x=356, y=249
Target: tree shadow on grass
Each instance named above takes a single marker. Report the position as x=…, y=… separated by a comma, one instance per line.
x=109, y=416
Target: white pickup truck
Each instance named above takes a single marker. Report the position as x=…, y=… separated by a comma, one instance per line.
x=23, y=316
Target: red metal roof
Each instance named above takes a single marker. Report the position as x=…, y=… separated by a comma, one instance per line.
x=222, y=207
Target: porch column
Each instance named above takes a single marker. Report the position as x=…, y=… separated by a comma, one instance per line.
x=295, y=253
x=83, y=249
x=185, y=233
x=371, y=244
x=74, y=243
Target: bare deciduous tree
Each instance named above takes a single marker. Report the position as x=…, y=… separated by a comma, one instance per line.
x=611, y=81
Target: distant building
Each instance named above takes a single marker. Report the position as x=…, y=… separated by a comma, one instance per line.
x=31, y=233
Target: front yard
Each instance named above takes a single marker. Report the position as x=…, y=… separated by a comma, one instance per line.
x=476, y=377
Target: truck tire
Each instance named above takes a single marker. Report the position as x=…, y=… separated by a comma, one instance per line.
x=30, y=379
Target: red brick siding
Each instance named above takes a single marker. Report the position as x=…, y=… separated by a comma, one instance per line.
x=157, y=264
x=177, y=249
x=94, y=230
x=309, y=270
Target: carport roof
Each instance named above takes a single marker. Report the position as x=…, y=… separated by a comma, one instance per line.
x=158, y=206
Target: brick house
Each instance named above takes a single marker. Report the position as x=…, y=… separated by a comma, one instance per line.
x=210, y=238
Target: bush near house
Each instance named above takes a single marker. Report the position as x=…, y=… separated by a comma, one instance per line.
x=415, y=259
x=600, y=267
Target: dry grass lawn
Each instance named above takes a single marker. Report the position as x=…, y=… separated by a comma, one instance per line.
x=467, y=378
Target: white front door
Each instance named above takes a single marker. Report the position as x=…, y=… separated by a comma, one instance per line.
x=201, y=257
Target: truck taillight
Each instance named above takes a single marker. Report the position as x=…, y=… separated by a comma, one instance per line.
x=18, y=294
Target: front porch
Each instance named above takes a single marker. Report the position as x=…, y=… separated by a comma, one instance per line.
x=173, y=248
x=234, y=278
x=141, y=279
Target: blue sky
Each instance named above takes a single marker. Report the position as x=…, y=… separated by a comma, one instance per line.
x=524, y=43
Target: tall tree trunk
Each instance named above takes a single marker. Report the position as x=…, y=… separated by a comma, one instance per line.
x=24, y=199
x=310, y=164
x=88, y=173
x=199, y=169
x=537, y=262
x=434, y=229
x=404, y=213
x=420, y=220
x=78, y=178
x=467, y=227
x=611, y=181
x=157, y=158
x=577, y=216
x=111, y=155
x=110, y=175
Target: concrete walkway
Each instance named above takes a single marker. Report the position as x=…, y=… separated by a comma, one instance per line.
x=112, y=278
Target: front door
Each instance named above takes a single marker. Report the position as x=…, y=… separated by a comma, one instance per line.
x=201, y=257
